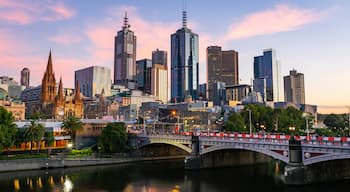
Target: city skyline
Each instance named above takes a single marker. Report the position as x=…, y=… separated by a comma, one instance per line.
x=307, y=36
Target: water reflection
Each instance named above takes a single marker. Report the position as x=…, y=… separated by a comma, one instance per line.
x=157, y=177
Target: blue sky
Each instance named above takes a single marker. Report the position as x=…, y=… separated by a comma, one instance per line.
x=309, y=36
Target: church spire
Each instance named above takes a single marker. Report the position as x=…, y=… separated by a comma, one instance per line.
x=49, y=64
x=60, y=95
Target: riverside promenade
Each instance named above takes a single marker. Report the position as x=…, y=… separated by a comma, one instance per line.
x=42, y=164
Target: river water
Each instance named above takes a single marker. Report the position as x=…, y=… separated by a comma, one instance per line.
x=157, y=177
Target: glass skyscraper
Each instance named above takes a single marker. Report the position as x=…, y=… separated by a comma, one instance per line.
x=266, y=67
x=184, y=63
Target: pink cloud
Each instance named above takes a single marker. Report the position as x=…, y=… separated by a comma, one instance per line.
x=24, y=13
x=65, y=39
x=281, y=18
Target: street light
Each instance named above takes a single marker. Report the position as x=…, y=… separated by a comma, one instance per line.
x=307, y=126
x=250, y=121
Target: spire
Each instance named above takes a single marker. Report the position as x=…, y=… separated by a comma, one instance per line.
x=60, y=95
x=184, y=14
x=77, y=96
x=49, y=64
x=126, y=21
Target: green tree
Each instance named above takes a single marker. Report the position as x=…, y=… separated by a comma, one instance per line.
x=72, y=125
x=235, y=122
x=50, y=140
x=113, y=138
x=7, y=129
x=336, y=123
x=34, y=132
x=37, y=115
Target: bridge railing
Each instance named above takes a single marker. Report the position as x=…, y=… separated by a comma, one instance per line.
x=260, y=138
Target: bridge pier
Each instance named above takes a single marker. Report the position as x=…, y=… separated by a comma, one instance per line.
x=294, y=172
x=193, y=162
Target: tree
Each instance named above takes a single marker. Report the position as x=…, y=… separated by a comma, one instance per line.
x=235, y=122
x=34, y=132
x=50, y=140
x=72, y=125
x=113, y=138
x=37, y=115
x=7, y=129
x=336, y=123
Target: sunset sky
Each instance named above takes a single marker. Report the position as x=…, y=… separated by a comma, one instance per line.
x=309, y=36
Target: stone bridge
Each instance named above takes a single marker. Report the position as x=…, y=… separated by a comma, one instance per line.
x=298, y=153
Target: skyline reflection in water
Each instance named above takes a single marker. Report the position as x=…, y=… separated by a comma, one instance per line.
x=156, y=177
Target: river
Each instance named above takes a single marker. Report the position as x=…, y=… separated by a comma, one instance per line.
x=157, y=177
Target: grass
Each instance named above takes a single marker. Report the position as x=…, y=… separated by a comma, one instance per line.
x=23, y=156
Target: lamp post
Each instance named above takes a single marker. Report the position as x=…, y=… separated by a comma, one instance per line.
x=250, y=121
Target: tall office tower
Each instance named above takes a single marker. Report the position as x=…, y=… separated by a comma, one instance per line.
x=143, y=68
x=294, y=89
x=125, y=57
x=266, y=66
x=202, y=91
x=25, y=75
x=159, y=82
x=222, y=66
x=184, y=63
x=160, y=57
x=93, y=80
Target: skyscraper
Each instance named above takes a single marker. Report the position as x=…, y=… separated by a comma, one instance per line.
x=25, y=75
x=93, y=80
x=266, y=67
x=143, y=77
x=159, y=82
x=125, y=56
x=184, y=63
x=222, y=66
x=159, y=57
x=294, y=89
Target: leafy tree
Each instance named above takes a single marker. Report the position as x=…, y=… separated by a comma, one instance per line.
x=7, y=129
x=113, y=138
x=72, y=125
x=37, y=115
x=34, y=132
x=50, y=140
x=235, y=122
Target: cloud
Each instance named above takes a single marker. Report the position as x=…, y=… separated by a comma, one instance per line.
x=65, y=39
x=281, y=18
x=150, y=34
x=25, y=12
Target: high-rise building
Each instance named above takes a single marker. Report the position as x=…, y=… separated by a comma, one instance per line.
x=93, y=80
x=143, y=68
x=125, y=57
x=266, y=66
x=222, y=66
x=160, y=57
x=159, y=82
x=202, y=91
x=184, y=63
x=294, y=88
x=25, y=75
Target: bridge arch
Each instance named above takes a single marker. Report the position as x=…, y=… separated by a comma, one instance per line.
x=327, y=157
x=178, y=145
x=258, y=150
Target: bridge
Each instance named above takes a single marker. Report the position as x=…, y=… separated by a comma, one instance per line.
x=298, y=152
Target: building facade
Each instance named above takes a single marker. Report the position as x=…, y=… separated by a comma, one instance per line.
x=294, y=87
x=222, y=66
x=125, y=57
x=160, y=57
x=144, y=67
x=184, y=63
x=159, y=82
x=25, y=77
x=93, y=80
x=237, y=92
x=266, y=66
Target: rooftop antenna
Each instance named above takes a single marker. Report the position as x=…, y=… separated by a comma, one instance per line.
x=184, y=14
x=126, y=23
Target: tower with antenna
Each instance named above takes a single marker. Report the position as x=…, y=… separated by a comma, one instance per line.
x=184, y=62
x=125, y=56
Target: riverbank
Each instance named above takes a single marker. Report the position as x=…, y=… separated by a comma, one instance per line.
x=42, y=164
